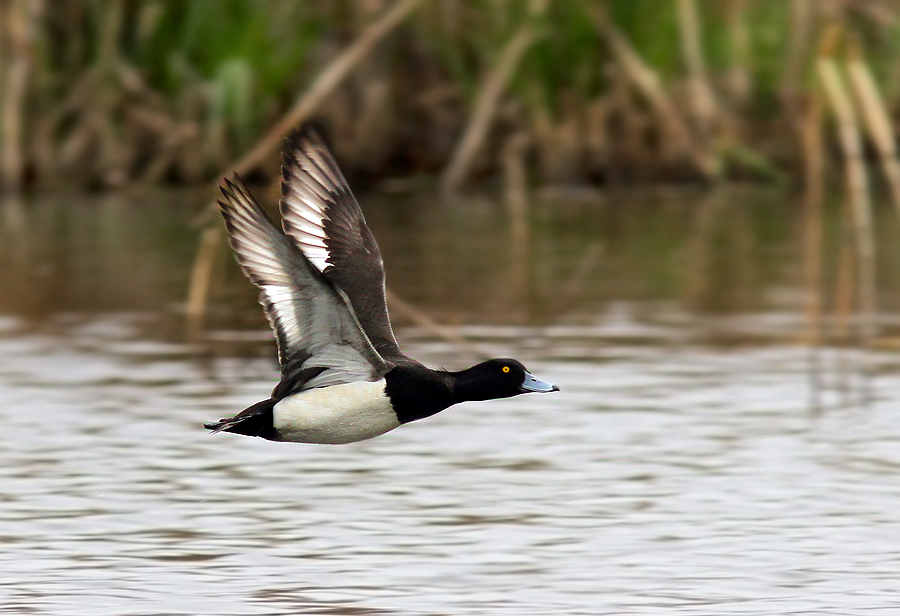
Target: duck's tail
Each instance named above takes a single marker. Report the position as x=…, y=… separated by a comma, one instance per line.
x=255, y=420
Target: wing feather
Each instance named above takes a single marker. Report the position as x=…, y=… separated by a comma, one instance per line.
x=320, y=214
x=320, y=340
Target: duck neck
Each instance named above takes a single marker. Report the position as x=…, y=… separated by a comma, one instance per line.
x=470, y=386
x=416, y=393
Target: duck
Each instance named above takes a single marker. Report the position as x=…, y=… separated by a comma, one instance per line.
x=321, y=284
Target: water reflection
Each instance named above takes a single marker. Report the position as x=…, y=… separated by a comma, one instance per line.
x=725, y=252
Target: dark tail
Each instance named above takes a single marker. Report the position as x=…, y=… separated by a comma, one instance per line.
x=255, y=420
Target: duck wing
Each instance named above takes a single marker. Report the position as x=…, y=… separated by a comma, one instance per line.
x=320, y=214
x=320, y=340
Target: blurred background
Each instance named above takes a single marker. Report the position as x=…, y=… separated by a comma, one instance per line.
x=685, y=213
x=724, y=155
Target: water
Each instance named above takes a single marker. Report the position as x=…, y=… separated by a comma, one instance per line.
x=672, y=473
x=685, y=479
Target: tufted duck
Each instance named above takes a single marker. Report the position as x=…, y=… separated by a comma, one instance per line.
x=321, y=281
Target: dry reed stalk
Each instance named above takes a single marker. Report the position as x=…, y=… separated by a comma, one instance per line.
x=803, y=15
x=488, y=98
x=883, y=13
x=857, y=181
x=571, y=139
x=326, y=82
x=404, y=308
x=596, y=140
x=515, y=185
x=371, y=118
x=373, y=122
x=559, y=145
x=52, y=153
x=701, y=99
x=201, y=277
x=812, y=149
x=541, y=127
x=845, y=300
x=647, y=82
x=814, y=177
x=876, y=119
x=738, y=79
x=19, y=23
x=628, y=124
x=515, y=193
x=813, y=255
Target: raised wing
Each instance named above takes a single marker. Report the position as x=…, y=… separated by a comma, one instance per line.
x=320, y=341
x=320, y=214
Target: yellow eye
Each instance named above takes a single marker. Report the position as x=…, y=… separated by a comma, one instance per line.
x=505, y=368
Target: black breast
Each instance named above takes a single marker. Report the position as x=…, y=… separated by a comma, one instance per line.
x=417, y=392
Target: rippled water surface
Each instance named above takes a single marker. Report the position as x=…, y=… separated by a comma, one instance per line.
x=664, y=478
x=690, y=464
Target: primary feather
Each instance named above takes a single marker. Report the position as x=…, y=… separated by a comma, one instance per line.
x=320, y=214
x=320, y=340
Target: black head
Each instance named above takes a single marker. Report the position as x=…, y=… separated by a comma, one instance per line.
x=497, y=378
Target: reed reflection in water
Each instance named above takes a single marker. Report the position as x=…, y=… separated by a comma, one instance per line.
x=728, y=252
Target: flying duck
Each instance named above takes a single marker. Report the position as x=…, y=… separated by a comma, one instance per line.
x=321, y=282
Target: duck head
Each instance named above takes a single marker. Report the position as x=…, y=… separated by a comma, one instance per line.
x=498, y=378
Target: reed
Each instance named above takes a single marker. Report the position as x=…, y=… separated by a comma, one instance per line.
x=484, y=108
x=876, y=118
x=109, y=93
x=857, y=180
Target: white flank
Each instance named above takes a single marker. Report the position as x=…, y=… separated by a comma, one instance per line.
x=336, y=414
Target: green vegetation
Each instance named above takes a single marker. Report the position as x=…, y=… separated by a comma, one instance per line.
x=105, y=93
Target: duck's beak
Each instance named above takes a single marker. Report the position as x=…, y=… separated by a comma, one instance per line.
x=532, y=383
